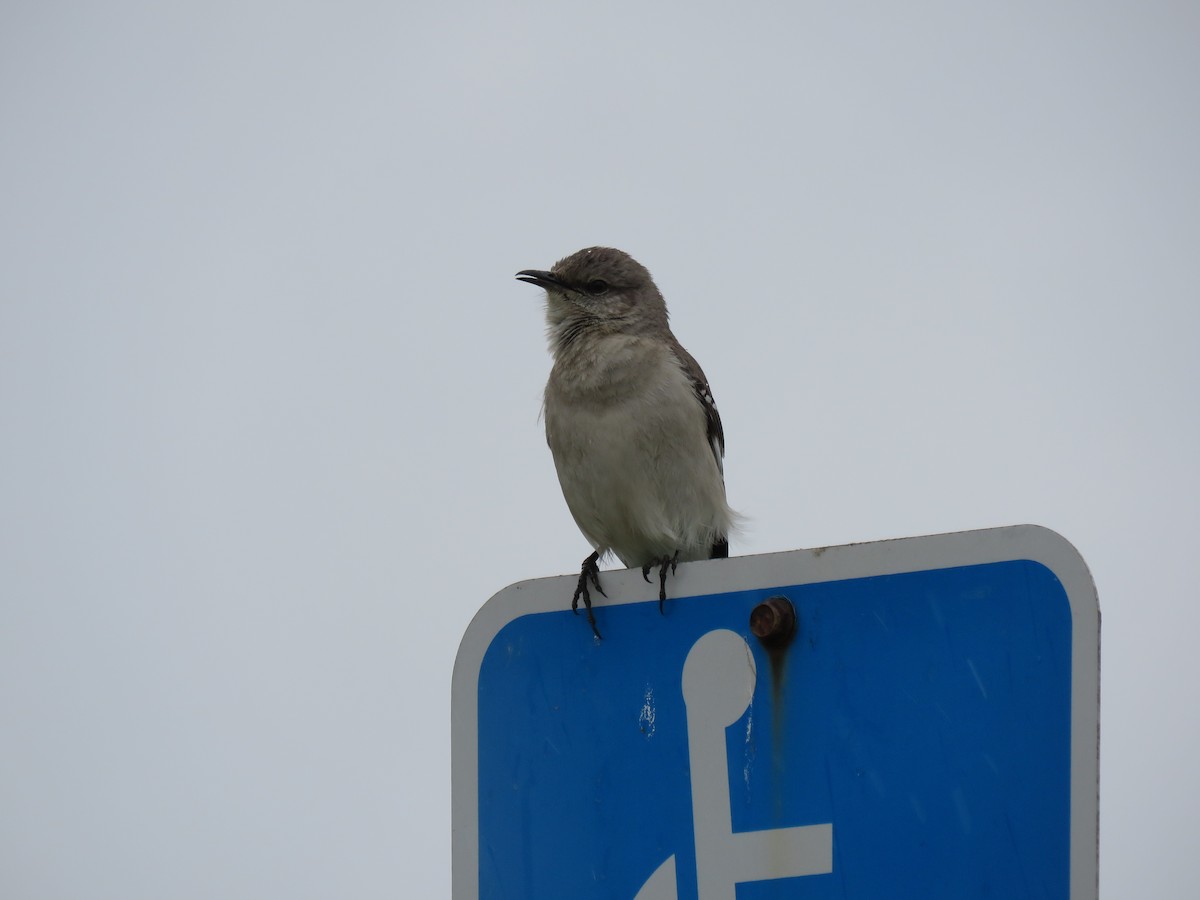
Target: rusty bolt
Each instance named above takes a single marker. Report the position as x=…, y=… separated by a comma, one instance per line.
x=773, y=621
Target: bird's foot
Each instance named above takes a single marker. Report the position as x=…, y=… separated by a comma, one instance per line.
x=590, y=571
x=663, y=563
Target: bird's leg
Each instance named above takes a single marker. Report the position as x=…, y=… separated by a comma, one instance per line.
x=590, y=571
x=663, y=563
x=662, y=579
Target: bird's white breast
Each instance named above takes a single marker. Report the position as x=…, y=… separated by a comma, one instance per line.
x=629, y=440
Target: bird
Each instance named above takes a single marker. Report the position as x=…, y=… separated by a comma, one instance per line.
x=631, y=422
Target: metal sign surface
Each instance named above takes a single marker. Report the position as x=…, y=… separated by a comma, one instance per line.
x=931, y=730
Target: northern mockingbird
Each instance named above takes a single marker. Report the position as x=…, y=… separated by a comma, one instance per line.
x=631, y=422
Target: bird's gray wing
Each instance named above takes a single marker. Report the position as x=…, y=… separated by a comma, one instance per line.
x=712, y=418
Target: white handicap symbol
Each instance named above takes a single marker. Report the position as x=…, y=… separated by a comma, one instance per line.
x=718, y=684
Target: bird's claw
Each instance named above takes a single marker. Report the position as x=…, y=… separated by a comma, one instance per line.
x=663, y=563
x=590, y=571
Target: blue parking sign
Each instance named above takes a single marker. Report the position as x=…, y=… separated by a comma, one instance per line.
x=929, y=731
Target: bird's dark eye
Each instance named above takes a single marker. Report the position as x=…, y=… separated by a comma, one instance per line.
x=596, y=287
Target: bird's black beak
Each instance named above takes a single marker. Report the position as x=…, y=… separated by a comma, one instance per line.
x=541, y=279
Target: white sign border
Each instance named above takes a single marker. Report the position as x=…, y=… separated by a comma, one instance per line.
x=795, y=567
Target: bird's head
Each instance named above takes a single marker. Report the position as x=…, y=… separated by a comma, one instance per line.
x=598, y=289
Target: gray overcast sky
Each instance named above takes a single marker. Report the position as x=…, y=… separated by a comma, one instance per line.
x=269, y=391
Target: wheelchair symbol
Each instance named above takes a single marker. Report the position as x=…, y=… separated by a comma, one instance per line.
x=718, y=684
